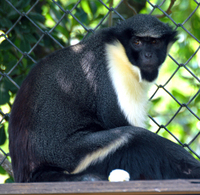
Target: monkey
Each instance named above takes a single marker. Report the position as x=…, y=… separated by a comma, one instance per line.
x=81, y=111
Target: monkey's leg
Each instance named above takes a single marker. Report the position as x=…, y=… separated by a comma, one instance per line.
x=54, y=174
x=77, y=152
x=143, y=154
x=47, y=174
x=149, y=156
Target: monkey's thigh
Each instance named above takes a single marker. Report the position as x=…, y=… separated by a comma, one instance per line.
x=143, y=157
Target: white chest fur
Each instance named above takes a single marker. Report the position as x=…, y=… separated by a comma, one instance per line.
x=131, y=90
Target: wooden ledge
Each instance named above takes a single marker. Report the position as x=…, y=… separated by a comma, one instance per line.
x=107, y=188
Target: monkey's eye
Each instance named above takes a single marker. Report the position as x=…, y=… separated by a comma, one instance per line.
x=137, y=42
x=155, y=41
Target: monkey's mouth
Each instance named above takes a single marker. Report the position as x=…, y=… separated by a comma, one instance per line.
x=149, y=67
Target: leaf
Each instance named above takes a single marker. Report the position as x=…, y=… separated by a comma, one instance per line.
x=55, y=14
x=197, y=99
x=30, y=38
x=4, y=96
x=2, y=171
x=37, y=17
x=82, y=15
x=157, y=100
x=10, y=64
x=5, y=23
x=93, y=7
x=2, y=135
x=24, y=45
x=63, y=30
x=19, y=4
x=179, y=96
x=9, y=180
x=22, y=4
x=4, y=6
x=26, y=3
x=12, y=15
x=5, y=45
x=10, y=86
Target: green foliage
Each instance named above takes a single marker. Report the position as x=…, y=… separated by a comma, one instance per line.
x=2, y=135
x=26, y=28
x=185, y=84
x=21, y=27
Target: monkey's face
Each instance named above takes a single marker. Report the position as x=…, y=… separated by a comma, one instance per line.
x=148, y=54
x=146, y=41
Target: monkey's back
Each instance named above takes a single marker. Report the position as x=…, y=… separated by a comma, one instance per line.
x=65, y=96
x=49, y=108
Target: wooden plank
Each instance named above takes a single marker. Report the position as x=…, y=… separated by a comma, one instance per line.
x=163, y=187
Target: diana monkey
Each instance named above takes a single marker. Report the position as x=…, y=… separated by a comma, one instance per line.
x=80, y=112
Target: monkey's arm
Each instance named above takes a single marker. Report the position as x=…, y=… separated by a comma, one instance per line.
x=95, y=146
x=145, y=156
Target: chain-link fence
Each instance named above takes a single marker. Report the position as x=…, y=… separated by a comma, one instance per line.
x=31, y=30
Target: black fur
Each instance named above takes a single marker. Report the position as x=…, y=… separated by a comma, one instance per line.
x=67, y=109
x=146, y=157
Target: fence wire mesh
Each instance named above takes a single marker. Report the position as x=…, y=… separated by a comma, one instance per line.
x=32, y=29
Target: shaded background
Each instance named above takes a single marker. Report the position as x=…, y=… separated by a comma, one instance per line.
x=32, y=29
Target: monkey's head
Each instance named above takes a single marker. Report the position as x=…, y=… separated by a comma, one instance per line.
x=147, y=42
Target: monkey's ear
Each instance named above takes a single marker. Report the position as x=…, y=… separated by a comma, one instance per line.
x=119, y=22
x=173, y=36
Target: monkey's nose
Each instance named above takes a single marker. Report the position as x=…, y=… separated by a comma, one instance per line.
x=148, y=55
